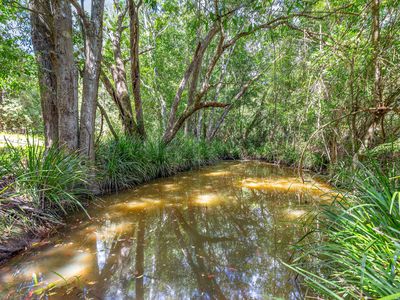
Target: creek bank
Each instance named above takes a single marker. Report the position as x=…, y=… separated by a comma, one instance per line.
x=121, y=165
x=26, y=239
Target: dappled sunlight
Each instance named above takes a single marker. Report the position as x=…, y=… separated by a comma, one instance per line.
x=171, y=187
x=67, y=264
x=80, y=265
x=207, y=200
x=290, y=184
x=136, y=205
x=218, y=174
x=293, y=214
x=111, y=229
x=218, y=215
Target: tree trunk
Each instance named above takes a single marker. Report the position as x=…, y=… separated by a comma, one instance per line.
x=122, y=96
x=118, y=72
x=42, y=41
x=228, y=107
x=191, y=68
x=135, y=68
x=170, y=135
x=377, y=89
x=189, y=126
x=67, y=89
x=108, y=121
x=91, y=75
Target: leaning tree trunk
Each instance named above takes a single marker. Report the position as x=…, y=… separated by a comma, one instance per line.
x=43, y=45
x=67, y=90
x=118, y=72
x=91, y=76
x=135, y=71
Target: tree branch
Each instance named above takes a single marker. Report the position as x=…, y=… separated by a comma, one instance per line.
x=81, y=13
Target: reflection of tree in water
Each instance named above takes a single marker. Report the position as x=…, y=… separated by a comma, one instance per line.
x=205, y=236
x=229, y=251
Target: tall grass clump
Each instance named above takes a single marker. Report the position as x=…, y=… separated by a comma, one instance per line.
x=51, y=179
x=121, y=163
x=359, y=254
x=126, y=162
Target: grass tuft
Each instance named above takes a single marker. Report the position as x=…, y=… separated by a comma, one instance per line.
x=359, y=255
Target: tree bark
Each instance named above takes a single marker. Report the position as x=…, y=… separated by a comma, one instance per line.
x=186, y=114
x=135, y=68
x=43, y=45
x=93, y=47
x=198, y=55
x=66, y=73
x=123, y=105
x=118, y=72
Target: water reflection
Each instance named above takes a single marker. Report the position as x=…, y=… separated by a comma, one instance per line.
x=217, y=233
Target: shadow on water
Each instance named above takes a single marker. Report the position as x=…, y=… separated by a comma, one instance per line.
x=217, y=233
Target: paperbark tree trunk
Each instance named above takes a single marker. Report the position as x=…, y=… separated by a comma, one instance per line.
x=66, y=73
x=202, y=46
x=93, y=46
x=119, y=76
x=135, y=68
x=43, y=45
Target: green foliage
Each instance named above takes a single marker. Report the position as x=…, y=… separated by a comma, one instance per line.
x=386, y=150
x=48, y=179
x=20, y=112
x=358, y=255
x=16, y=61
x=286, y=154
x=127, y=162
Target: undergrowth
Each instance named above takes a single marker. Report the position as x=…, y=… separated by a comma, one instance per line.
x=39, y=186
x=359, y=255
x=125, y=162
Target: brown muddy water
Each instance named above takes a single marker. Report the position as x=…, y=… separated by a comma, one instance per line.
x=220, y=232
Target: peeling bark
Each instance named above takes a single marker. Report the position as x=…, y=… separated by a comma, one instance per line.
x=43, y=45
x=135, y=67
x=91, y=75
x=66, y=72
